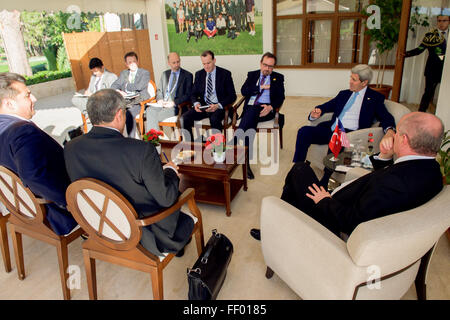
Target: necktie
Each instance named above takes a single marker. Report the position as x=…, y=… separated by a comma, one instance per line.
x=97, y=83
x=133, y=75
x=172, y=81
x=262, y=82
x=209, y=89
x=347, y=106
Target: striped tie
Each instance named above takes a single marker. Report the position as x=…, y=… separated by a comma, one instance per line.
x=347, y=106
x=209, y=89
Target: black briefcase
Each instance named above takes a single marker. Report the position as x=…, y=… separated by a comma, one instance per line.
x=208, y=273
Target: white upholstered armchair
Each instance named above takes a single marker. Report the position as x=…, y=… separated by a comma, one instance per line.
x=317, y=264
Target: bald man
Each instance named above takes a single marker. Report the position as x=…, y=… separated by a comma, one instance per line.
x=406, y=183
x=173, y=89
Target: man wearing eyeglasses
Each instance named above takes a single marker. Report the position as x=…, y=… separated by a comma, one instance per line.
x=436, y=43
x=264, y=93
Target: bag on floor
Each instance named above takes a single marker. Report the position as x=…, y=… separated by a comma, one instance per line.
x=208, y=273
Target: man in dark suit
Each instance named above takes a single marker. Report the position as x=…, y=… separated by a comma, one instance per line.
x=213, y=90
x=32, y=154
x=357, y=108
x=436, y=43
x=264, y=92
x=132, y=81
x=131, y=166
x=412, y=180
x=174, y=88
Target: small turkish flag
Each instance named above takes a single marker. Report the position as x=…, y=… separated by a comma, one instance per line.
x=338, y=139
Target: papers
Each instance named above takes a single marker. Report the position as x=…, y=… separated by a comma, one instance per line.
x=131, y=95
x=342, y=168
x=77, y=94
x=203, y=107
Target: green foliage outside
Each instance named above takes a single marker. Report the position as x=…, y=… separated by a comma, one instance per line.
x=44, y=76
x=220, y=45
x=444, y=157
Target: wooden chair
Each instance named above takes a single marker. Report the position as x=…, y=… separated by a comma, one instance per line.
x=269, y=126
x=174, y=122
x=226, y=122
x=115, y=230
x=4, y=241
x=28, y=217
x=140, y=118
x=85, y=118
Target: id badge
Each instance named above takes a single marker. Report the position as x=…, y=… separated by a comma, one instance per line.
x=252, y=100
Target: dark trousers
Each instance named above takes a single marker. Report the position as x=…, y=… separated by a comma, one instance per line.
x=177, y=28
x=187, y=120
x=249, y=120
x=430, y=87
x=130, y=121
x=297, y=181
x=307, y=135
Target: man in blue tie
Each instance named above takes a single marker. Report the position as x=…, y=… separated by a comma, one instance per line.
x=213, y=90
x=356, y=108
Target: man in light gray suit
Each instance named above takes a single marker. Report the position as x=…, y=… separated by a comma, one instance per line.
x=174, y=88
x=100, y=79
x=133, y=80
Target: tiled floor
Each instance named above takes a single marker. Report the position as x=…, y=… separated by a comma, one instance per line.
x=245, y=278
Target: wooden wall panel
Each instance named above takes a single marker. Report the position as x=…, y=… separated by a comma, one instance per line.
x=110, y=47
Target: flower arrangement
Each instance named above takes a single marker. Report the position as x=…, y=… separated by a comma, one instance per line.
x=153, y=136
x=216, y=143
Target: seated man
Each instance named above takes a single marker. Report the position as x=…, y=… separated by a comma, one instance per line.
x=357, y=108
x=174, y=88
x=131, y=166
x=210, y=29
x=213, y=90
x=100, y=79
x=264, y=92
x=221, y=25
x=133, y=80
x=31, y=153
x=412, y=180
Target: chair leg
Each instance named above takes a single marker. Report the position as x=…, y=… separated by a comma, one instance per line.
x=91, y=275
x=281, y=138
x=157, y=283
x=18, y=252
x=63, y=261
x=4, y=244
x=421, y=287
x=269, y=273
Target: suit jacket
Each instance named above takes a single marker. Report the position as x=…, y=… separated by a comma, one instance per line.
x=225, y=91
x=183, y=90
x=140, y=84
x=372, y=109
x=395, y=188
x=251, y=88
x=133, y=167
x=436, y=46
x=108, y=80
x=38, y=160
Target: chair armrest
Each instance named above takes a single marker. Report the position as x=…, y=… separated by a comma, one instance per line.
x=43, y=201
x=276, y=123
x=144, y=102
x=312, y=260
x=187, y=195
x=325, y=117
x=363, y=134
x=236, y=106
x=355, y=173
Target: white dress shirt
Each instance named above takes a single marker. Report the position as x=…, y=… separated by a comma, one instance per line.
x=350, y=120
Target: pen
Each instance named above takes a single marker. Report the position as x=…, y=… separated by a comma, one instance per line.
x=165, y=156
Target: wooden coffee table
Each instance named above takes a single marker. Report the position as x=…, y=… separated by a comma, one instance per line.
x=212, y=181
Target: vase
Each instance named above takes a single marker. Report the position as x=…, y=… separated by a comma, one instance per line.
x=219, y=157
x=158, y=148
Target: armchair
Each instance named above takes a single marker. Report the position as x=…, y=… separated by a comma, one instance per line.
x=140, y=118
x=380, y=260
x=115, y=230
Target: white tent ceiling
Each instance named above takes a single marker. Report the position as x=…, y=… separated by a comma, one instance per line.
x=113, y=6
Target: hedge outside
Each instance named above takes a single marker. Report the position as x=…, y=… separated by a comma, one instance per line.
x=44, y=76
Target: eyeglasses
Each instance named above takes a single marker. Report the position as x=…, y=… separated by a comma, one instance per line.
x=268, y=66
x=443, y=20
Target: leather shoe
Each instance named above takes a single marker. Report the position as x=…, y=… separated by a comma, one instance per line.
x=256, y=233
x=250, y=174
x=181, y=252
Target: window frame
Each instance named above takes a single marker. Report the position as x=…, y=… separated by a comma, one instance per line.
x=336, y=17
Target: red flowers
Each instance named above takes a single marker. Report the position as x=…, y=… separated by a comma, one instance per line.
x=153, y=136
x=215, y=142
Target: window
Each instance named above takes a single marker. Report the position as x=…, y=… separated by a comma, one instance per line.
x=322, y=33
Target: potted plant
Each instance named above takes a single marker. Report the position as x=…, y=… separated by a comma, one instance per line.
x=153, y=137
x=385, y=37
x=444, y=158
x=216, y=143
